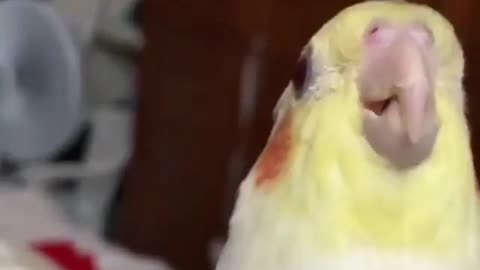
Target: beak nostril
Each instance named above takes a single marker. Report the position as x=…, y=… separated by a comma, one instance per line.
x=379, y=34
x=422, y=34
x=374, y=30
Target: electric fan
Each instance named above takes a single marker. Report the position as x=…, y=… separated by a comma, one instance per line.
x=40, y=97
x=40, y=82
x=47, y=128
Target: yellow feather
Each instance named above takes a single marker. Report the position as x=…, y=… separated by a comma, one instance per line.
x=334, y=178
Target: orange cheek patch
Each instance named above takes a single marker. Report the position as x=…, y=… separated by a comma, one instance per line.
x=275, y=155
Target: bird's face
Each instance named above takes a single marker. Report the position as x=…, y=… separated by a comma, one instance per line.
x=390, y=65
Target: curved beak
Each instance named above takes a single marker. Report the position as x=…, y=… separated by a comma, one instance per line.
x=397, y=93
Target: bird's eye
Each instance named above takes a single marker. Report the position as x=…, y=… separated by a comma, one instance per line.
x=302, y=73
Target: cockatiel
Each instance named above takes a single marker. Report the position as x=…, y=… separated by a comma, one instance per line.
x=368, y=165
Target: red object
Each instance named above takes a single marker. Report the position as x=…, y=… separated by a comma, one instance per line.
x=65, y=255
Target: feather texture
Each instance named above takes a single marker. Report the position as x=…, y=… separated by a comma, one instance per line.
x=334, y=203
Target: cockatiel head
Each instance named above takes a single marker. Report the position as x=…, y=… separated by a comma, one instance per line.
x=368, y=165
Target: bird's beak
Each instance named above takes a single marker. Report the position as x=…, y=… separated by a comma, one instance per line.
x=414, y=90
x=397, y=93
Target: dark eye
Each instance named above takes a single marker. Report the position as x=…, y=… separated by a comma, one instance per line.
x=301, y=76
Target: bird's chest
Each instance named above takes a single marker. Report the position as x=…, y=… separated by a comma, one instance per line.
x=356, y=259
x=339, y=239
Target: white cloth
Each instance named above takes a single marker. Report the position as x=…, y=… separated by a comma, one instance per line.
x=28, y=216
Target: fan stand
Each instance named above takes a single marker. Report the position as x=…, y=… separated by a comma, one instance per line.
x=97, y=175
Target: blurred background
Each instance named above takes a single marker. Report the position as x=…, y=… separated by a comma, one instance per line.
x=139, y=118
